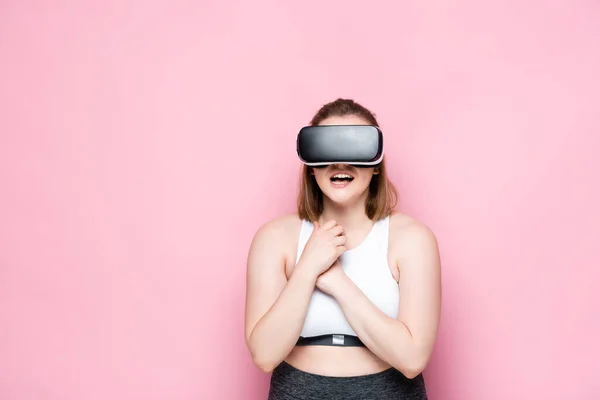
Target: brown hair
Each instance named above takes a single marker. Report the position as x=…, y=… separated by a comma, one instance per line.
x=382, y=196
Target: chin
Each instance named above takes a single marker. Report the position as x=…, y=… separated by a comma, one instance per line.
x=343, y=193
x=341, y=198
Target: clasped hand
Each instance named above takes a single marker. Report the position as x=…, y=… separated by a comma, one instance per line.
x=329, y=280
x=321, y=255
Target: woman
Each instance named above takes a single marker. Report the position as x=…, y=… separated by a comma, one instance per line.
x=343, y=297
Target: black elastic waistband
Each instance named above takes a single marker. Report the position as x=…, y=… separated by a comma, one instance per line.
x=330, y=340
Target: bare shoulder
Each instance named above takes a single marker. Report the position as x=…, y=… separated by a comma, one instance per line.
x=279, y=227
x=277, y=233
x=409, y=235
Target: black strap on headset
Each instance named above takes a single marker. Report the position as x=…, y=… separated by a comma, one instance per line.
x=330, y=340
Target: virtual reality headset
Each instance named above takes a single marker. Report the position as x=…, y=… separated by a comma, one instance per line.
x=357, y=145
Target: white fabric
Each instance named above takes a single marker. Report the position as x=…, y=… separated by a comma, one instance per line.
x=367, y=266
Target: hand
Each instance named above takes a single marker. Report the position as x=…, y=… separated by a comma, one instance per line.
x=325, y=245
x=330, y=279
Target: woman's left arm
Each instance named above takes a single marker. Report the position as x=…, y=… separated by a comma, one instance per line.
x=407, y=342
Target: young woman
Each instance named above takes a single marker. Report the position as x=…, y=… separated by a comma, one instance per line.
x=343, y=297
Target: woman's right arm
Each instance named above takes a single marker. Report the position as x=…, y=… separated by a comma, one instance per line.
x=275, y=306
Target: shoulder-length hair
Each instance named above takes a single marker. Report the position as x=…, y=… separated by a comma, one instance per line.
x=382, y=197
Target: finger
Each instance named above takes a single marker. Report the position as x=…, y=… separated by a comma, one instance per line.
x=337, y=230
x=339, y=240
x=329, y=224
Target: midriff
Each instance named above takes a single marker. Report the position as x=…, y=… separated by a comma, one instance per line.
x=336, y=361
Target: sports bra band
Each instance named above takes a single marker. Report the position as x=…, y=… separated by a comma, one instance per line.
x=330, y=340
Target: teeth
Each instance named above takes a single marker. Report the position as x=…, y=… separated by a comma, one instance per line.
x=342, y=176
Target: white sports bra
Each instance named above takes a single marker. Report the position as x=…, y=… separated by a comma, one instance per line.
x=367, y=266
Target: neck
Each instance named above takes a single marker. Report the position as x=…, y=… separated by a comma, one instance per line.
x=350, y=216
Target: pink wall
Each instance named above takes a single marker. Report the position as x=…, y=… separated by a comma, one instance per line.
x=124, y=233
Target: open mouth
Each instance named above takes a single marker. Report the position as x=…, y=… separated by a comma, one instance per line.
x=341, y=178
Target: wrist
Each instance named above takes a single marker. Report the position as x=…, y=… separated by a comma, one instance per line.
x=305, y=274
x=342, y=287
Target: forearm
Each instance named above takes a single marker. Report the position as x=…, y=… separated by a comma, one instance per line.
x=388, y=338
x=277, y=332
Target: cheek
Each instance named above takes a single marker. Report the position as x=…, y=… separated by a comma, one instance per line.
x=365, y=178
x=321, y=179
x=320, y=175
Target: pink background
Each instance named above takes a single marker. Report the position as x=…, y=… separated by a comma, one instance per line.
x=135, y=166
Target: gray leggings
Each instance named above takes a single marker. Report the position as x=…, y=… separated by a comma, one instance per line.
x=290, y=383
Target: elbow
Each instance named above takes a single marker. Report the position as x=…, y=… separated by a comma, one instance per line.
x=413, y=367
x=263, y=364
x=261, y=360
x=267, y=369
x=411, y=372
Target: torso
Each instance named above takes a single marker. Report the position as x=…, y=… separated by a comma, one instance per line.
x=333, y=360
